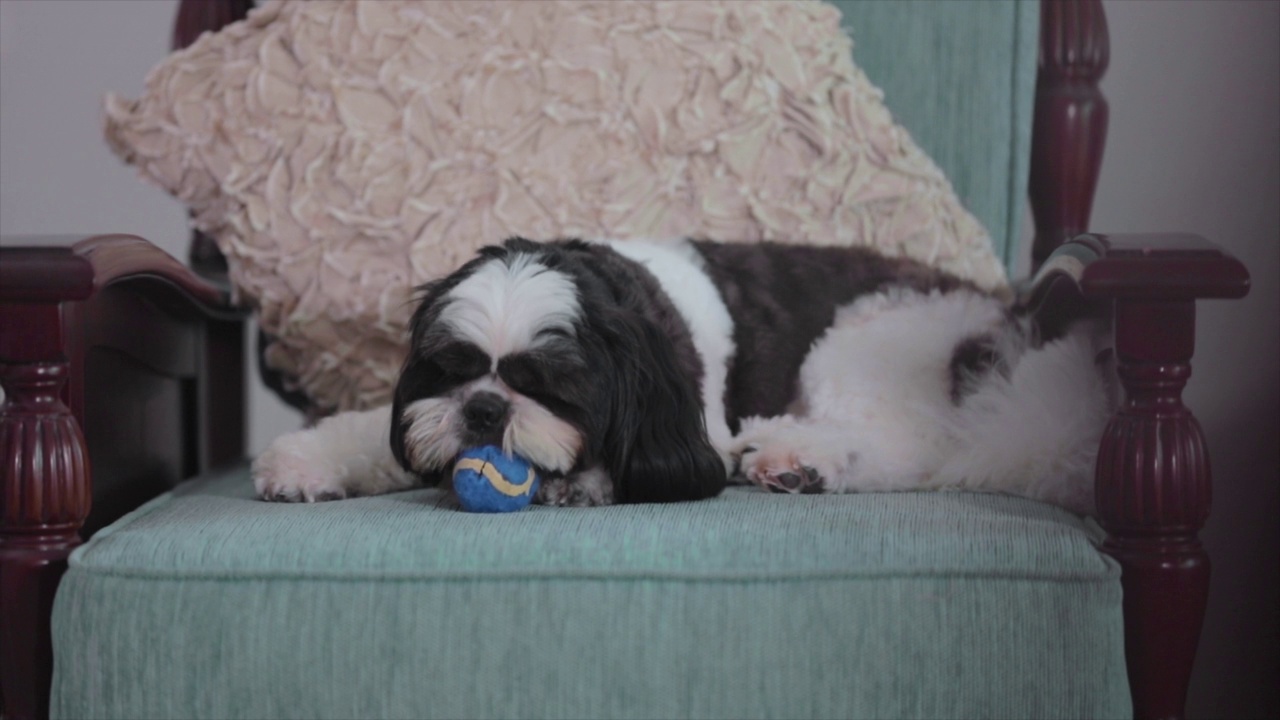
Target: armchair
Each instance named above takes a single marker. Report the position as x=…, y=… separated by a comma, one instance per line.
x=102, y=337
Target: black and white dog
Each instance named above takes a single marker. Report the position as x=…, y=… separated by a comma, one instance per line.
x=652, y=372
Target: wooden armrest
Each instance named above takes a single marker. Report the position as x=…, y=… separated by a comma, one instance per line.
x=57, y=268
x=112, y=355
x=1155, y=266
x=1085, y=275
x=1152, y=475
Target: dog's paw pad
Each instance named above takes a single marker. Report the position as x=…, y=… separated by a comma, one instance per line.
x=791, y=481
x=803, y=480
x=785, y=474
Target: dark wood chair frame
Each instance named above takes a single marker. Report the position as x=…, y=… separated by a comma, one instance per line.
x=77, y=315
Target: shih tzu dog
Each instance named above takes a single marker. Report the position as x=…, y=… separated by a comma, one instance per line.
x=653, y=372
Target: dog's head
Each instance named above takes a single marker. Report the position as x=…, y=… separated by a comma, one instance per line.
x=530, y=348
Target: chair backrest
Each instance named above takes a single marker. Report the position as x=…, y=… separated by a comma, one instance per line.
x=961, y=77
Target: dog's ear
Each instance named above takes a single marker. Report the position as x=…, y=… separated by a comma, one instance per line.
x=656, y=446
x=417, y=380
x=412, y=384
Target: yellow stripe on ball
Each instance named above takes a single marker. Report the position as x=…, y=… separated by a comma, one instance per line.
x=495, y=478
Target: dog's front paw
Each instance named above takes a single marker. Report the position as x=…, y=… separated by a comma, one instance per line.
x=590, y=488
x=294, y=468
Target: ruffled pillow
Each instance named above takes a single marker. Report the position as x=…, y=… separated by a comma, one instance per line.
x=343, y=152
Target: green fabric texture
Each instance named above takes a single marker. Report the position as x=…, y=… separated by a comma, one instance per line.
x=960, y=76
x=208, y=603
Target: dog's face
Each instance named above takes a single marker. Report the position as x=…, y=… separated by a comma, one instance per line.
x=494, y=351
x=524, y=349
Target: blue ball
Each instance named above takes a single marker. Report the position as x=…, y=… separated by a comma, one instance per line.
x=486, y=481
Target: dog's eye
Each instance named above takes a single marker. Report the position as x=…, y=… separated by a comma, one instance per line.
x=523, y=373
x=462, y=360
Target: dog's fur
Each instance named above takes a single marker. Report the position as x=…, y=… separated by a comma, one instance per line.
x=647, y=372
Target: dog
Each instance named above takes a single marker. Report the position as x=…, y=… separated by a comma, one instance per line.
x=638, y=371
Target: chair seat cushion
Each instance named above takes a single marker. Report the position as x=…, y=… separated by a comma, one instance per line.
x=208, y=603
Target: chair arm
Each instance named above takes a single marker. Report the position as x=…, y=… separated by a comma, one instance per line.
x=114, y=356
x=1152, y=474
x=1166, y=266
x=57, y=268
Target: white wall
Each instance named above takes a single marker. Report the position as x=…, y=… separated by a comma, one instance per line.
x=57, y=59
x=1194, y=145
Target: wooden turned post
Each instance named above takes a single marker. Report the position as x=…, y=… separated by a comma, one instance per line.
x=1070, y=122
x=1153, y=477
x=1153, y=493
x=46, y=499
x=44, y=479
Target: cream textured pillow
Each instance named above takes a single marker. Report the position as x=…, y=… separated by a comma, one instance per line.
x=343, y=152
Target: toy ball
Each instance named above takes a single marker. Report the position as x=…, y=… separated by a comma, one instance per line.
x=487, y=481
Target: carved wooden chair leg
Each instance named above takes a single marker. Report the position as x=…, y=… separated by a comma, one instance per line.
x=45, y=485
x=1153, y=497
x=1152, y=472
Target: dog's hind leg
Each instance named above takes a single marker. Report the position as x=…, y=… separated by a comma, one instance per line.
x=830, y=455
x=878, y=392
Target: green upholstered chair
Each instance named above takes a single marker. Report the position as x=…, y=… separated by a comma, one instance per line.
x=203, y=602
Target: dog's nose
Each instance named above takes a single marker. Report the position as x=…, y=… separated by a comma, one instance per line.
x=484, y=411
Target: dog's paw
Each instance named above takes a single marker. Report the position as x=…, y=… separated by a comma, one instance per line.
x=781, y=470
x=294, y=469
x=787, y=455
x=590, y=488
